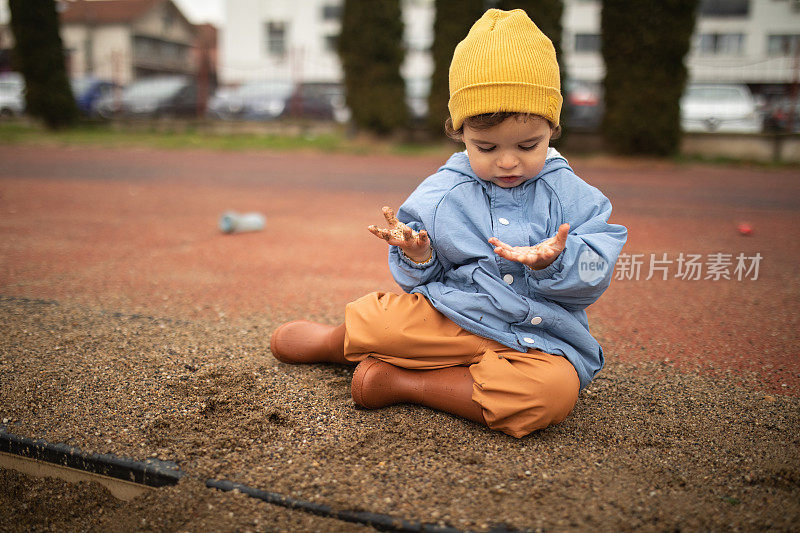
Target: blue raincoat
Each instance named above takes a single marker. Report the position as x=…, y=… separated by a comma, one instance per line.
x=505, y=300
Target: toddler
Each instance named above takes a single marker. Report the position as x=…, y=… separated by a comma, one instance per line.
x=499, y=253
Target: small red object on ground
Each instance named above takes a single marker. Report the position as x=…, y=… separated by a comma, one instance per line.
x=744, y=228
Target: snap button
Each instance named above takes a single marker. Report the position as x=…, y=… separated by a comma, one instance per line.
x=536, y=320
x=503, y=221
x=508, y=278
x=528, y=340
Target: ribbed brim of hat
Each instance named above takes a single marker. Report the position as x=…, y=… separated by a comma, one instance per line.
x=512, y=97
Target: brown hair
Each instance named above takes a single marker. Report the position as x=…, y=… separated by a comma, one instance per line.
x=490, y=120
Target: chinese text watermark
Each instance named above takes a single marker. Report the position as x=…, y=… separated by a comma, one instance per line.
x=691, y=267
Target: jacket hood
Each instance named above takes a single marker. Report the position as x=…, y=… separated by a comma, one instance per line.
x=459, y=162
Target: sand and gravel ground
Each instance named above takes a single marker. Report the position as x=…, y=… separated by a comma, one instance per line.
x=131, y=326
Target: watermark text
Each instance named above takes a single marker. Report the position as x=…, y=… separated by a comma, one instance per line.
x=685, y=266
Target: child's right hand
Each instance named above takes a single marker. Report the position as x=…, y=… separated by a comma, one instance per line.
x=416, y=245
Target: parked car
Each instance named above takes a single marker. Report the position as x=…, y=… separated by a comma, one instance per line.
x=157, y=96
x=317, y=100
x=719, y=108
x=783, y=114
x=89, y=91
x=217, y=104
x=254, y=100
x=585, y=109
x=12, y=94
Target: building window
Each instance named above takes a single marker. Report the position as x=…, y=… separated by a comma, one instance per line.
x=331, y=42
x=173, y=52
x=331, y=12
x=721, y=44
x=587, y=42
x=783, y=45
x=169, y=54
x=724, y=8
x=276, y=38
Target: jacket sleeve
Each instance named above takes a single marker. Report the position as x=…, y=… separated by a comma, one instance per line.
x=418, y=212
x=583, y=270
x=409, y=274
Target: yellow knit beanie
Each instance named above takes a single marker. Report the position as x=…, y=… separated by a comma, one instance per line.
x=505, y=63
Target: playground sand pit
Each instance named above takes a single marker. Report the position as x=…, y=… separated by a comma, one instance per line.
x=130, y=327
x=647, y=446
x=49, y=504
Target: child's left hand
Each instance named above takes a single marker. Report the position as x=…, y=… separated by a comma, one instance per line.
x=536, y=257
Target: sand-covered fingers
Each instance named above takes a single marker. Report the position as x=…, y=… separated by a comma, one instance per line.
x=381, y=233
x=397, y=233
x=391, y=219
x=394, y=236
x=415, y=245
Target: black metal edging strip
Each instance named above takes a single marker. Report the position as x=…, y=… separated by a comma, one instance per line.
x=153, y=473
x=381, y=522
x=156, y=473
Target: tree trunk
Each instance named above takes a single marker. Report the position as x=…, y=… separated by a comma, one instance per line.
x=371, y=50
x=39, y=56
x=644, y=44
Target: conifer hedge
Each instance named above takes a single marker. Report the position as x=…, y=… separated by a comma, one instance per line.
x=371, y=51
x=451, y=24
x=644, y=44
x=39, y=56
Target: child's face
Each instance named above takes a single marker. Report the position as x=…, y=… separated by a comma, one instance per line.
x=510, y=153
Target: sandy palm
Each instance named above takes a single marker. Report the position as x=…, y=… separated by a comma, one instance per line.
x=415, y=245
x=537, y=257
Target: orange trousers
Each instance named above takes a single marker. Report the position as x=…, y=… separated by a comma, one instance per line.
x=518, y=392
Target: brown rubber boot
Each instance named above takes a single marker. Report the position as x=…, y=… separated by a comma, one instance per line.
x=377, y=384
x=308, y=342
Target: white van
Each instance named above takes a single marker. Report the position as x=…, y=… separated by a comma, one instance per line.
x=719, y=108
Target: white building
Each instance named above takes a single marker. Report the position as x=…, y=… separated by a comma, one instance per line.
x=279, y=40
x=756, y=42
x=296, y=40
x=736, y=41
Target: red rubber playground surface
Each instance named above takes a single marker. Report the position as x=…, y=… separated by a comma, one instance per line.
x=134, y=230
